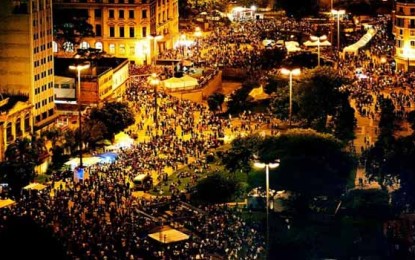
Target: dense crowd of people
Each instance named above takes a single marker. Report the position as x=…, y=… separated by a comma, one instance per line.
x=99, y=218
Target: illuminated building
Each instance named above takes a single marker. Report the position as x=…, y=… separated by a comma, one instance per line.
x=15, y=119
x=123, y=28
x=26, y=57
x=404, y=31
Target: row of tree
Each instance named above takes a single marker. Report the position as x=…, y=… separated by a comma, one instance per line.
x=22, y=156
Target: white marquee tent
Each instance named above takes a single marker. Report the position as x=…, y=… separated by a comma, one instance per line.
x=315, y=43
x=354, y=48
x=185, y=82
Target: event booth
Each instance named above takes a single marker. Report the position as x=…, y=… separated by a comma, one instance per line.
x=354, y=48
x=184, y=83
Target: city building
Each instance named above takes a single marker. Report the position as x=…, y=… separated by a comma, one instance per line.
x=105, y=80
x=15, y=119
x=133, y=29
x=26, y=56
x=404, y=31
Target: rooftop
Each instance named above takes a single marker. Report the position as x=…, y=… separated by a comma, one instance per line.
x=98, y=66
x=8, y=101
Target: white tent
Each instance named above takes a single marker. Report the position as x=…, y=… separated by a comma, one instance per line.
x=185, y=82
x=258, y=93
x=123, y=140
x=292, y=46
x=86, y=161
x=315, y=43
x=34, y=186
x=354, y=48
x=6, y=203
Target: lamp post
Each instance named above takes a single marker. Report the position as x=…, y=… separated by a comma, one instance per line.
x=338, y=13
x=155, y=37
x=318, y=39
x=267, y=166
x=79, y=68
x=291, y=73
x=198, y=33
x=154, y=82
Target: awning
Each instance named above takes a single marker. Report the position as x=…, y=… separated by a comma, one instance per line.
x=6, y=203
x=35, y=186
x=361, y=42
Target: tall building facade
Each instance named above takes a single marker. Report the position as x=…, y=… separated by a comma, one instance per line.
x=404, y=31
x=123, y=28
x=26, y=55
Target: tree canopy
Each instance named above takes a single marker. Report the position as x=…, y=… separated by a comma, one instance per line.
x=115, y=116
x=311, y=163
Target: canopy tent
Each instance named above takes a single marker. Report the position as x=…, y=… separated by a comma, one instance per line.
x=185, y=82
x=35, y=186
x=258, y=93
x=108, y=157
x=123, y=140
x=315, y=43
x=6, y=203
x=354, y=48
x=86, y=161
x=168, y=235
x=292, y=46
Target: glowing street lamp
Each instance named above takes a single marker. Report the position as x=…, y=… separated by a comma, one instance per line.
x=318, y=39
x=291, y=73
x=338, y=13
x=198, y=33
x=79, y=68
x=267, y=166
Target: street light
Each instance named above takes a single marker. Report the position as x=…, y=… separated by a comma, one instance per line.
x=198, y=33
x=267, y=166
x=79, y=68
x=291, y=73
x=155, y=37
x=338, y=13
x=154, y=82
x=318, y=39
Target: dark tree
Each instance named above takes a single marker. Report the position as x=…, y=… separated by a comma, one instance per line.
x=224, y=188
x=21, y=157
x=322, y=94
x=116, y=116
x=215, y=101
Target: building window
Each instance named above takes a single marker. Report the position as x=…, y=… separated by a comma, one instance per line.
x=111, y=14
x=68, y=46
x=122, y=49
x=131, y=1
x=97, y=13
x=131, y=14
x=84, y=45
x=54, y=46
x=144, y=14
x=98, y=30
x=122, y=31
x=412, y=32
x=144, y=32
x=112, y=31
x=121, y=14
x=112, y=48
x=98, y=45
x=412, y=44
x=132, y=32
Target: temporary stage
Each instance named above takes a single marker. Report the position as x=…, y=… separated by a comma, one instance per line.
x=167, y=235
